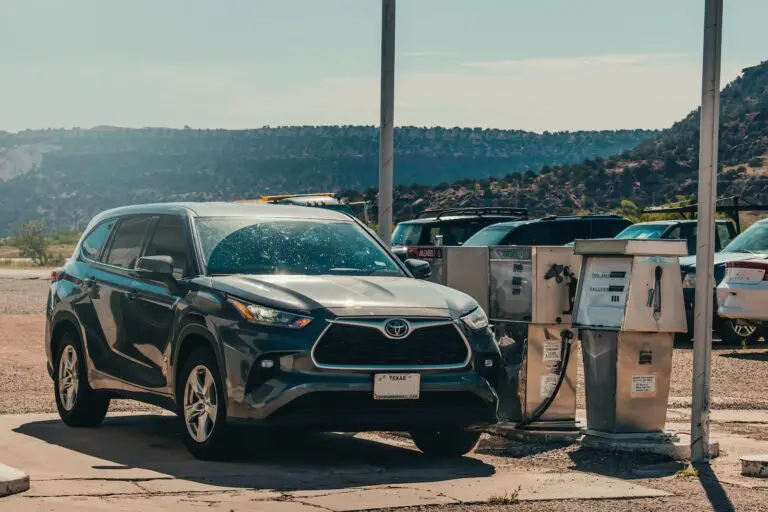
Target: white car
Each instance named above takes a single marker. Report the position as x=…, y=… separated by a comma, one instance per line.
x=743, y=292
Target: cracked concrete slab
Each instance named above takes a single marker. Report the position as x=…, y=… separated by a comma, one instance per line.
x=138, y=462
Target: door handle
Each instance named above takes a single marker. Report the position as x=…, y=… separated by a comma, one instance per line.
x=89, y=282
x=131, y=296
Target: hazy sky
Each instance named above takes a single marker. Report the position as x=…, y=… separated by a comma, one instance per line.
x=527, y=64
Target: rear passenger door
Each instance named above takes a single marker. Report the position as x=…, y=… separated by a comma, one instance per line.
x=149, y=316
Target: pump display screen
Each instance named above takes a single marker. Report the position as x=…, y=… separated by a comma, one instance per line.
x=604, y=292
x=511, y=275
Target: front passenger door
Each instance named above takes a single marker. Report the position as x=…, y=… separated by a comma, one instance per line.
x=149, y=318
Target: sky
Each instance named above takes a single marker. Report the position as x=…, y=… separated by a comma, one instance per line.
x=520, y=64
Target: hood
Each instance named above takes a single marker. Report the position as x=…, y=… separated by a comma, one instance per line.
x=688, y=263
x=349, y=293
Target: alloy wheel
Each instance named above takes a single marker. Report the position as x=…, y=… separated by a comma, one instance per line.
x=200, y=403
x=68, y=378
x=743, y=329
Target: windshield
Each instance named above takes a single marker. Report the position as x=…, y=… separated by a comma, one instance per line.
x=237, y=245
x=492, y=235
x=407, y=234
x=754, y=239
x=643, y=232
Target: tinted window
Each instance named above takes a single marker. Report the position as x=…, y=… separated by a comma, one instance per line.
x=288, y=246
x=91, y=246
x=536, y=233
x=688, y=233
x=567, y=231
x=126, y=246
x=168, y=240
x=724, y=233
x=607, y=228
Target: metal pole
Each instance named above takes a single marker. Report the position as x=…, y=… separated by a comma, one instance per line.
x=387, y=121
x=705, y=229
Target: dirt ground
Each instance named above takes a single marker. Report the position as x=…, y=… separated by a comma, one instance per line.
x=26, y=387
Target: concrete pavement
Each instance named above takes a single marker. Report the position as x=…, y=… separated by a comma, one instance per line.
x=138, y=463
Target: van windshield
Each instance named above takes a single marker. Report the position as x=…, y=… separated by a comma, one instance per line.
x=492, y=235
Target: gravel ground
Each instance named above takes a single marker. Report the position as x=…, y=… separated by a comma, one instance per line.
x=23, y=296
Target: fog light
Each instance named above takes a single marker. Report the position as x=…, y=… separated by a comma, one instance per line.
x=488, y=363
x=267, y=363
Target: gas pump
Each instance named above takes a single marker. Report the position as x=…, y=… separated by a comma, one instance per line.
x=629, y=305
x=532, y=291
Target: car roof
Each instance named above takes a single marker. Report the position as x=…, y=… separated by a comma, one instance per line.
x=222, y=209
x=558, y=219
x=674, y=222
x=432, y=220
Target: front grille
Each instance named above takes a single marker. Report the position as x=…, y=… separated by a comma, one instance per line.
x=353, y=345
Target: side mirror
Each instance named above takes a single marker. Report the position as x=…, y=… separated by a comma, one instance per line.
x=419, y=268
x=158, y=268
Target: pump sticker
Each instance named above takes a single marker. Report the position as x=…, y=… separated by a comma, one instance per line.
x=551, y=351
x=644, y=385
x=547, y=385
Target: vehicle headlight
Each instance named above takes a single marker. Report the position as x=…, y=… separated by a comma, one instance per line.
x=477, y=319
x=689, y=280
x=267, y=316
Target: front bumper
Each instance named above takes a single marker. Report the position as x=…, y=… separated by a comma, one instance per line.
x=324, y=401
x=295, y=392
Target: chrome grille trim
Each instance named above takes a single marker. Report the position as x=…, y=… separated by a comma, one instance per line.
x=378, y=324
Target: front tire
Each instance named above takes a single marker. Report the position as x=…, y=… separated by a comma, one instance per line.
x=78, y=404
x=453, y=442
x=202, y=407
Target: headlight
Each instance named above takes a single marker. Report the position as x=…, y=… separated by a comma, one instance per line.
x=267, y=316
x=476, y=319
x=689, y=280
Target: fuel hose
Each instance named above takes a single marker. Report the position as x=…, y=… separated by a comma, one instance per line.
x=565, y=349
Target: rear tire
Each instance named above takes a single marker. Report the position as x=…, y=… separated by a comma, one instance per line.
x=78, y=404
x=733, y=333
x=201, y=406
x=452, y=442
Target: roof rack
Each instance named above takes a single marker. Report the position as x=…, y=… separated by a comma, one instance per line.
x=479, y=211
x=288, y=196
x=689, y=211
x=589, y=215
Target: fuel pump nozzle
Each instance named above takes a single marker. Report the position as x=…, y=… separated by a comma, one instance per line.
x=563, y=273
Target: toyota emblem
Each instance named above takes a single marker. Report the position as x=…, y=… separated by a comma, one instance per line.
x=397, y=328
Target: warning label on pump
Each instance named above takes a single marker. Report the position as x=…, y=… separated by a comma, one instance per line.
x=551, y=351
x=548, y=383
x=643, y=384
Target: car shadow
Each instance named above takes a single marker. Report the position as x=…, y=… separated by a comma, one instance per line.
x=623, y=465
x=280, y=461
x=748, y=356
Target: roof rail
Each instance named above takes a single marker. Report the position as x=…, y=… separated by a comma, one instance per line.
x=589, y=215
x=479, y=211
x=288, y=196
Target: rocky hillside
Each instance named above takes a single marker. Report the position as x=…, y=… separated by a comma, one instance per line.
x=65, y=176
x=656, y=171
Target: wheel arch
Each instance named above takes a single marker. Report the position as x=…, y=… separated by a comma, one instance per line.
x=194, y=334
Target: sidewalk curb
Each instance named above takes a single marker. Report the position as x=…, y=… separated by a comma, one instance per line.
x=12, y=481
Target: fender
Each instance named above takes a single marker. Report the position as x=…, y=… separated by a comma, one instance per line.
x=66, y=316
x=191, y=328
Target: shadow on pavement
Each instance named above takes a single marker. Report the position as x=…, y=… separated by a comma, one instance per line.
x=301, y=461
x=624, y=465
x=717, y=496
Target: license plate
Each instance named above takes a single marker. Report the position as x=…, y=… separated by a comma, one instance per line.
x=745, y=275
x=396, y=386
x=429, y=253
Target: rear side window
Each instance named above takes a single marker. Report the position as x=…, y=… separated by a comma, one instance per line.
x=91, y=246
x=608, y=228
x=168, y=240
x=565, y=232
x=724, y=233
x=126, y=246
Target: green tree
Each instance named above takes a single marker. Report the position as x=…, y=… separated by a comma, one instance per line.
x=32, y=243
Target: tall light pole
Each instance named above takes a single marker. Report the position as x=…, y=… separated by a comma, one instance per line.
x=387, y=120
x=705, y=229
